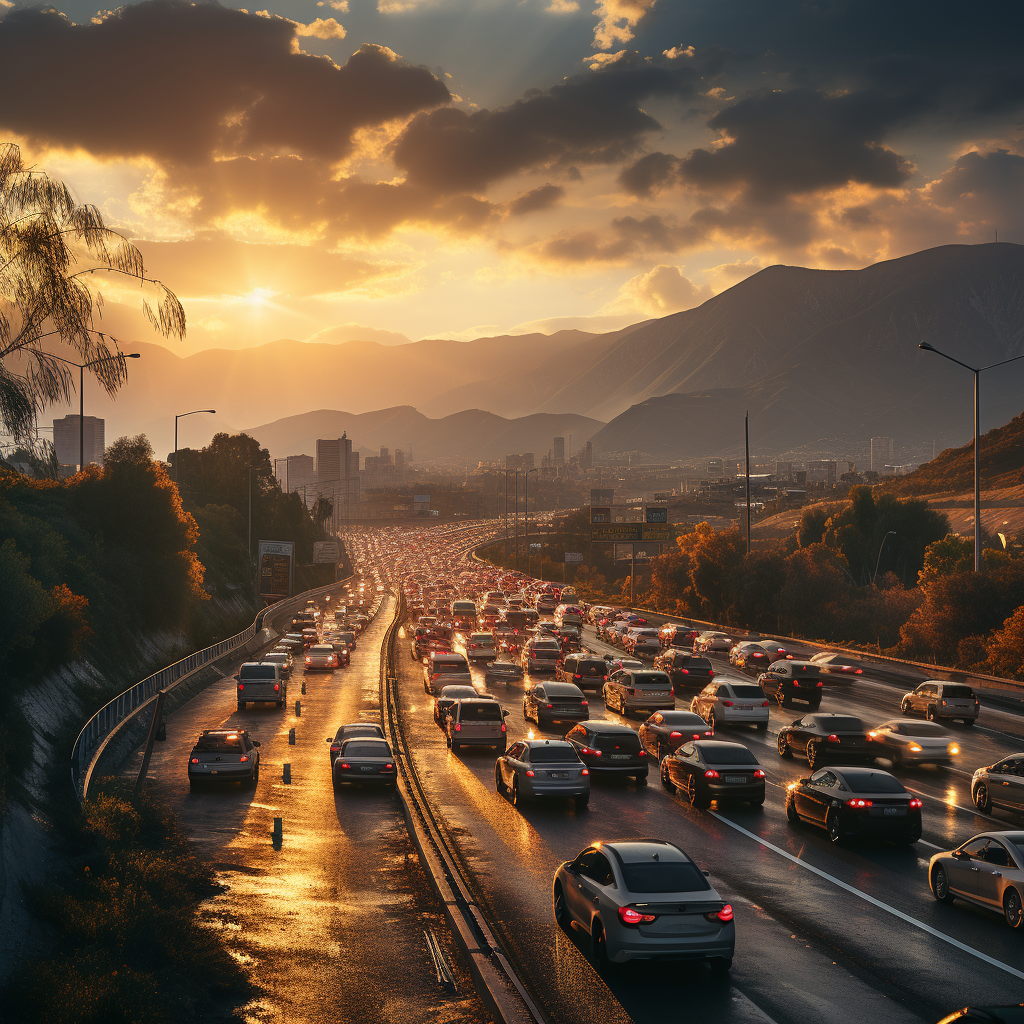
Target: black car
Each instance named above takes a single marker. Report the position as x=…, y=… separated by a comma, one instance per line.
x=347, y=637
x=666, y=730
x=707, y=770
x=751, y=657
x=448, y=696
x=787, y=681
x=685, y=669
x=827, y=737
x=861, y=802
x=224, y=755
x=608, y=748
x=366, y=730
x=503, y=672
x=550, y=702
x=364, y=761
x=587, y=671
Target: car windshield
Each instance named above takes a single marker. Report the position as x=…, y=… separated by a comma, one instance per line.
x=358, y=730
x=664, y=876
x=921, y=729
x=959, y=692
x=219, y=744
x=680, y=718
x=553, y=754
x=591, y=668
x=485, y=711
x=458, y=692
x=650, y=680
x=628, y=743
x=727, y=754
x=443, y=667
x=739, y=690
x=873, y=782
x=366, y=748
x=840, y=723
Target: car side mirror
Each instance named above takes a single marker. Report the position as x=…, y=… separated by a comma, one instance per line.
x=329, y=739
x=706, y=874
x=962, y=855
x=804, y=782
x=256, y=743
x=505, y=713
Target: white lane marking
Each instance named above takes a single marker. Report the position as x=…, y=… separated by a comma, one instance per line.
x=748, y=1011
x=946, y=803
x=935, y=933
x=924, y=842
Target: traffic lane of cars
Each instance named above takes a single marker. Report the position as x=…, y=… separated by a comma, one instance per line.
x=513, y=853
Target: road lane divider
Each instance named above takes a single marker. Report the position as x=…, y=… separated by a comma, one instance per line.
x=934, y=932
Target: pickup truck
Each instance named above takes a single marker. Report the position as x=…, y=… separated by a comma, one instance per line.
x=261, y=682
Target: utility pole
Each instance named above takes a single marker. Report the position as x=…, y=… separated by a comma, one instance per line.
x=515, y=519
x=746, y=440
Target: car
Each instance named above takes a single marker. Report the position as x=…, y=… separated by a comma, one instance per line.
x=503, y=672
x=707, y=770
x=261, y=682
x=826, y=737
x=776, y=651
x=1000, y=785
x=587, y=671
x=541, y=655
x=712, y=641
x=684, y=669
x=477, y=646
x=987, y=871
x=787, y=681
x=642, y=642
x=666, y=730
x=347, y=732
x=629, y=664
x=939, y=699
x=443, y=667
x=282, y=658
x=293, y=642
x=321, y=658
x=364, y=761
x=448, y=696
x=476, y=722
x=914, y=742
x=836, y=664
x=633, y=690
x=643, y=899
x=674, y=635
x=530, y=769
x=749, y=656
x=310, y=637
x=610, y=749
x=856, y=802
x=728, y=703
x=342, y=651
x=418, y=642
x=347, y=636
x=550, y=702
x=224, y=755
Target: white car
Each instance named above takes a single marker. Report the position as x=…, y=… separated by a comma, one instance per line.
x=712, y=641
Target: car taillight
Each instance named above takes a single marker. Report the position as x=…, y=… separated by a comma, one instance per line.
x=915, y=802
x=758, y=773
x=590, y=751
x=585, y=703
x=711, y=673
x=335, y=748
x=277, y=686
x=833, y=738
x=818, y=683
x=685, y=671
x=241, y=686
x=711, y=774
x=858, y=802
x=725, y=915
x=727, y=703
x=586, y=771
x=631, y=916
x=244, y=757
x=389, y=767
x=529, y=772
x=577, y=676
x=345, y=765
x=458, y=728
x=642, y=753
x=677, y=735
x=764, y=704
x=503, y=729
x=858, y=671
x=195, y=760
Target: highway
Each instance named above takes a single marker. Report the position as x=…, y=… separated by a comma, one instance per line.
x=331, y=925
x=824, y=933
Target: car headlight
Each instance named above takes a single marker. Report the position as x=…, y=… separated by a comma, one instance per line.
x=954, y=749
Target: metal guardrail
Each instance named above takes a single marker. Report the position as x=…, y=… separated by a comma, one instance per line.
x=104, y=722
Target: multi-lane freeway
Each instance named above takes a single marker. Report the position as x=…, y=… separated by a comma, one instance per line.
x=825, y=932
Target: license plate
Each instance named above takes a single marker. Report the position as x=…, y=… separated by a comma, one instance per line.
x=559, y=775
x=367, y=768
x=213, y=771
x=744, y=707
x=735, y=778
x=619, y=757
x=893, y=812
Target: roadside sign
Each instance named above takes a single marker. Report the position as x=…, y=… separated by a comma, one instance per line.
x=326, y=551
x=574, y=556
x=275, y=560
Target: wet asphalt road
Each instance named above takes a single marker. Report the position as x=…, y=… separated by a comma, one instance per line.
x=860, y=940
x=329, y=927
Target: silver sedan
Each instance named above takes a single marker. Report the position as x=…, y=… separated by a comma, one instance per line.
x=914, y=742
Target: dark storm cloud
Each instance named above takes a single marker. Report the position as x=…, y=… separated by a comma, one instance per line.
x=593, y=118
x=179, y=82
x=542, y=198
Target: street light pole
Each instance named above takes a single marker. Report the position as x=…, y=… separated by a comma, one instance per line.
x=178, y=416
x=976, y=370
x=878, y=561
x=526, y=516
x=515, y=520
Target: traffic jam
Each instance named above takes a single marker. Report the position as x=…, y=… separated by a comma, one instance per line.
x=631, y=790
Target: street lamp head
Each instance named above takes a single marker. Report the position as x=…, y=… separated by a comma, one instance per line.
x=926, y=346
x=132, y=355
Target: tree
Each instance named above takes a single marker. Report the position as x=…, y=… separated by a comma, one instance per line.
x=714, y=555
x=1005, y=648
x=53, y=251
x=953, y=554
x=812, y=525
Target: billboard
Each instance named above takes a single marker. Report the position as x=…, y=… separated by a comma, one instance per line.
x=275, y=565
x=644, y=552
x=327, y=551
x=421, y=499
x=611, y=532
x=656, y=514
x=661, y=534
x=601, y=496
x=574, y=556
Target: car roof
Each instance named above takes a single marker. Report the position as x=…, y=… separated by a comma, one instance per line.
x=552, y=687
x=636, y=851
x=225, y=732
x=462, y=688
x=860, y=771
x=718, y=745
x=609, y=728
x=534, y=744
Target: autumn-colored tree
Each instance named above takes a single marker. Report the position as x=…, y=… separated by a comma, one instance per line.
x=816, y=589
x=1004, y=649
x=757, y=583
x=947, y=557
x=714, y=558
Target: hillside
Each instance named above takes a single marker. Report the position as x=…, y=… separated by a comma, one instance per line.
x=470, y=435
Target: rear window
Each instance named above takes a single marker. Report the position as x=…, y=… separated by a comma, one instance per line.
x=553, y=754
x=366, y=748
x=482, y=638
x=257, y=672
x=921, y=729
x=516, y=619
x=874, y=782
x=628, y=743
x=958, y=691
x=664, y=876
x=841, y=723
x=650, y=680
x=592, y=668
x=727, y=755
x=739, y=690
x=219, y=744
x=346, y=637
x=489, y=711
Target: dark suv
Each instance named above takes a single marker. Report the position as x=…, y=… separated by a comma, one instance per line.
x=684, y=669
x=787, y=681
x=224, y=755
x=587, y=671
x=608, y=748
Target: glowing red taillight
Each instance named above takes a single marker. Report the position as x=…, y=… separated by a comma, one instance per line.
x=344, y=765
x=727, y=703
x=241, y=686
x=915, y=802
x=458, y=728
x=833, y=738
x=244, y=757
x=677, y=735
x=725, y=914
x=195, y=760
x=758, y=774
x=277, y=686
x=529, y=772
x=631, y=916
x=858, y=802
x=586, y=771
x=711, y=774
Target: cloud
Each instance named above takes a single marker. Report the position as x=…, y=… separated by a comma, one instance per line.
x=321, y=28
x=616, y=21
x=985, y=191
x=678, y=51
x=587, y=119
x=542, y=198
x=659, y=292
x=650, y=174
x=597, y=61
x=626, y=240
x=337, y=5
x=182, y=82
x=562, y=7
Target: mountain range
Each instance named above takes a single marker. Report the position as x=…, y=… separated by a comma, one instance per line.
x=822, y=359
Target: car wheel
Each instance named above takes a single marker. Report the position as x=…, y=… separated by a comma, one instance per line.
x=791, y=812
x=813, y=756
x=499, y=785
x=561, y=912
x=759, y=802
x=517, y=800
x=582, y=802
x=335, y=781
x=448, y=741
x=662, y=752
x=940, y=885
x=697, y=799
x=712, y=723
x=666, y=781
x=982, y=800
x=721, y=964
x=600, y=944
x=241, y=705
x=930, y=714
x=761, y=727
x=783, y=744
x=641, y=780
x=192, y=786
x=968, y=721
x=904, y=708
x=832, y=826
x=1012, y=907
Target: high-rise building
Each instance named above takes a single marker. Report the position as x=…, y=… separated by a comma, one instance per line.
x=296, y=473
x=558, y=458
x=399, y=464
x=67, y=439
x=783, y=472
x=587, y=456
x=822, y=471
x=881, y=453
x=716, y=468
x=385, y=456
x=334, y=470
